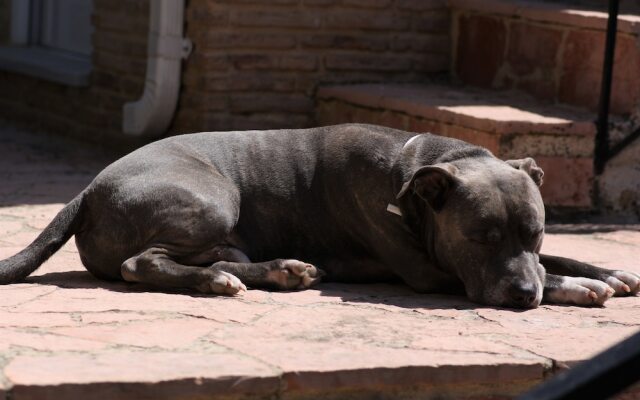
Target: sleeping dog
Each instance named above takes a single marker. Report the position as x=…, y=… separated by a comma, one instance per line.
x=282, y=209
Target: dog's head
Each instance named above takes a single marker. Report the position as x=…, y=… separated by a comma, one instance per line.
x=484, y=221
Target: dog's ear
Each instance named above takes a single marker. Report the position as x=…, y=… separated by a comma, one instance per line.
x=432, y=183
x=529, y=166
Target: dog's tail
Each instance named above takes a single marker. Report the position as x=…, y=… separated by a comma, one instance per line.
x=54, y=236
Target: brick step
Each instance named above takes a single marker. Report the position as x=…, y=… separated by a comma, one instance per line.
x=510, y=124
x=552, y=51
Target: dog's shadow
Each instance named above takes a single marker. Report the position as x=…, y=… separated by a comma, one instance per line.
x=396, y=295
x=84, y=280
x=384, y=294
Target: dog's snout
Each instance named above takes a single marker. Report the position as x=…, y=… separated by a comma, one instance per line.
x=523, y=295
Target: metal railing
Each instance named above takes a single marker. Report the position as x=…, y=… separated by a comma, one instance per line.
x=600, y=377
x=603, y=151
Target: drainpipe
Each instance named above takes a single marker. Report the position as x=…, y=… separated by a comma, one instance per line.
x=152, y=113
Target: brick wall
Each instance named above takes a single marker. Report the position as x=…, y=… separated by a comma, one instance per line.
x=257, y=64
x=553, y=56
x=93, y=113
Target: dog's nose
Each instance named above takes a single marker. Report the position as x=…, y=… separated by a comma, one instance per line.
x=523, y=295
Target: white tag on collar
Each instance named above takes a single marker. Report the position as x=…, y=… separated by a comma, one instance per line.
x=394, y=209
x=410, y=140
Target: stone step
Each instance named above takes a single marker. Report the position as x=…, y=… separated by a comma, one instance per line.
x=552, y=51
x=619, y=185
x=510, y=124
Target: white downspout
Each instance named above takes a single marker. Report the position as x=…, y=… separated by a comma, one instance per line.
x=152, y=113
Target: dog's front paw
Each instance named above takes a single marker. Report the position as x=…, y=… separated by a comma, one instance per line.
x=219, y=282
x=294, y=274
x=579, y=291
x=624, y=283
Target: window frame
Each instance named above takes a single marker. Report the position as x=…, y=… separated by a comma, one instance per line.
x=25, y=56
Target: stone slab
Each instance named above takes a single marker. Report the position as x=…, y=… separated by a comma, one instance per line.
x=130, y=374
x=488, y=111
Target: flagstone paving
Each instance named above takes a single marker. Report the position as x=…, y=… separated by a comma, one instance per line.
x=66, y=335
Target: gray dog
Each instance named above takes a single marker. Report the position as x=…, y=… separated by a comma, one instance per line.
x=215, y=211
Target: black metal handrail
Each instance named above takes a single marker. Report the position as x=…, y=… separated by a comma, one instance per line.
x=600, y=377
x=602, y=153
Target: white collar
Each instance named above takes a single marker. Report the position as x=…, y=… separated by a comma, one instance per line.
x=392, y=208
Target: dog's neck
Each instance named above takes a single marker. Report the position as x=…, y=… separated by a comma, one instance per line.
x=392, y=208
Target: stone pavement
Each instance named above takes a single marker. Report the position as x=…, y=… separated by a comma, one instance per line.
x=66, y=335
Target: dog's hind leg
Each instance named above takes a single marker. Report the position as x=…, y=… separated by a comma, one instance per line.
x=279, y=274
x=156, y=267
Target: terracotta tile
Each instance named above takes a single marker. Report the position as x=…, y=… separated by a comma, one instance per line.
x=166, y=334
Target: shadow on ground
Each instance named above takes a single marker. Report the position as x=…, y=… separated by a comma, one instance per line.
x=39, y=168
x=398, y=295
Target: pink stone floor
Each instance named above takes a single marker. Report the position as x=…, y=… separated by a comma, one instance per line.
x=66, y=335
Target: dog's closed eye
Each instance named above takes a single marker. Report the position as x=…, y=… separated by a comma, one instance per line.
x=489, y=236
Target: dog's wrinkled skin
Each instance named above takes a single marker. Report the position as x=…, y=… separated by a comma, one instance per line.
x=217, y=211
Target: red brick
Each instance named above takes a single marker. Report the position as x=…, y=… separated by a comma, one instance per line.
x=367, y=3
x=209, y=61
x=426, y=43
x=205, y=101
x=128, y=23
x=270, y=120
x=300, y=62
x=394, y=120
x=241, y=82
x=431, y=22
x=532, y=47
x=251, y=103
x=123, y=6
x=480, y=50
x=207, y=15
x=420, y=5
x=253, y=61
x=245, y=40
x=567, y=181
x=367, y=20
x=279, y=19
x=431, y=62
x=119, y=63
x=187, y=121
x=421, y=125
x=345, y=41
x=119, y=43
x=260, y=2
x=484, y=139
x=319, y=3
x=367, y=62
x=540, y=87
x=582, y=71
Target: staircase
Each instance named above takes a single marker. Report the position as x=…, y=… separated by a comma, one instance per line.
x=525, y=81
